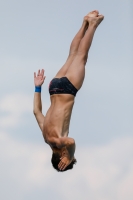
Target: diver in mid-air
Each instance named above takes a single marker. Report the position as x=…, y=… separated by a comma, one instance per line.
x=63, y=88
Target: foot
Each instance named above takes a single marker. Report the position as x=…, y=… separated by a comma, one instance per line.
x=95, y=21
x=94, y=13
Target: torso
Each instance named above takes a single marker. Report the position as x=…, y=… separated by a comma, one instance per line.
x=58, y=116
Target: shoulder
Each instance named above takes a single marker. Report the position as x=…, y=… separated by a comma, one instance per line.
x=54, y=142
x=60, y=142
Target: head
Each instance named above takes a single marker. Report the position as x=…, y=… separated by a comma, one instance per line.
x=56, y=159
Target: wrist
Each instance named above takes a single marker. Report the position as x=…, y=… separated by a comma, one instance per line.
x=38, y=89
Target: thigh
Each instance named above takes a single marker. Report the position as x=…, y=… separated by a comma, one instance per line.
x=76, y=71
x=62, y=72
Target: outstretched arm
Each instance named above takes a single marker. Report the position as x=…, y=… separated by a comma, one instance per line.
x=37, y=109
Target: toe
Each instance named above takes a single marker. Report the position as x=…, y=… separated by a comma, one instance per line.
x=94, y=13
x=101, y=17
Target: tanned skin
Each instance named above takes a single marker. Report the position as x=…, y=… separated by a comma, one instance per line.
x=55, y=124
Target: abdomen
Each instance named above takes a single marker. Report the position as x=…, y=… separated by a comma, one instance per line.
x=58, y=116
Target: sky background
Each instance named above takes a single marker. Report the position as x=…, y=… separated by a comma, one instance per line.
x=35, y=35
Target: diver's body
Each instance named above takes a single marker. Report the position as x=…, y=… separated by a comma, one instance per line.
x=63, y=89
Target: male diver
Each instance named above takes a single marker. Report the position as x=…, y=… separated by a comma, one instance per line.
x=63, y=88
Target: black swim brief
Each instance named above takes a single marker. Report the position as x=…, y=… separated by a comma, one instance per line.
x=62, y=86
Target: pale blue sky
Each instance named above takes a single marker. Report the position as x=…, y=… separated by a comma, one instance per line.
x=37, y=34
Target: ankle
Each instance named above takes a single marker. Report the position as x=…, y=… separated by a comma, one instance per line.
x=85, y=26
x=85, y=22
x=92, y=25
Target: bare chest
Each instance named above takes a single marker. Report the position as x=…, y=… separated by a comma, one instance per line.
x=57, y=121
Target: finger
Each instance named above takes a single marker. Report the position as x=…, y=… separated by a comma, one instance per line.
x=101, y=16
x=60, y=167
x=38, y=72
x=34, y=74
x=42, y=72
x=66, y=164
x=60, y=163
x=44, y=78
x=63, y=166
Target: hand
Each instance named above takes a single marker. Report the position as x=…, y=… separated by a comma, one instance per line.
x=65, y=161
x=39, y=79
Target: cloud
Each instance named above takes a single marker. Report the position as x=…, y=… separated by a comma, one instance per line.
x=26, y=160
x=102, y=172
x=12, y=107
x=17, y=103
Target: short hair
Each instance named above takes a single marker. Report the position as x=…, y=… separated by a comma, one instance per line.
x=56, y=159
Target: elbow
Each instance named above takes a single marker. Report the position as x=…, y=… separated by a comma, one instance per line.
x=72, y=142
x=35, y=112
